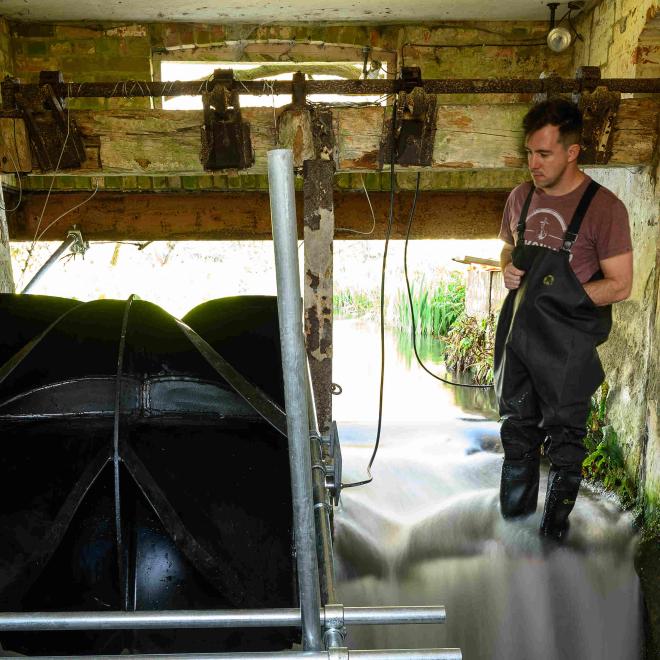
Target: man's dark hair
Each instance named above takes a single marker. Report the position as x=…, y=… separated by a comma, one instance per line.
x=556, y=112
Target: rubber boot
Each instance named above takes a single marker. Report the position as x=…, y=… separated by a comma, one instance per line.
x=563, y=487
x=519, y=487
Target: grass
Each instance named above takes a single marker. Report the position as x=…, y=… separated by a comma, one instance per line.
x=351, y=304
x=436, y=309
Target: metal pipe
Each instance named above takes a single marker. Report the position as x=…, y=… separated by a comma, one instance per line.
x=66, y=244
x=321, y=503
x=294, y=365
x=331, y=654
x=146, y=88
x=282, y=617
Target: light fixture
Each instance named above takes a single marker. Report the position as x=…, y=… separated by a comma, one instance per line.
x=560, y=38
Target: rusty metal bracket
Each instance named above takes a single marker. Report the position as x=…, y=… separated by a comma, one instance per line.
x=305, y=128
x=415, y=124
x=54, y=135
x=225, y=136
x=599, y=109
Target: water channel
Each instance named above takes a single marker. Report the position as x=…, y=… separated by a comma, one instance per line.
x=427, y=530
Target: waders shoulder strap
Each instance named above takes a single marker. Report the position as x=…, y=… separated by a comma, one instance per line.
x=573, y=229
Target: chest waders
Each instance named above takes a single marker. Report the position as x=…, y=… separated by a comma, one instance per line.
x=546, y=370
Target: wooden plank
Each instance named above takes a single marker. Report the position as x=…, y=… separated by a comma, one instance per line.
x=161, y=142
x=6, y=275
x=246, y=216
x=15, y=153
x=319, y=231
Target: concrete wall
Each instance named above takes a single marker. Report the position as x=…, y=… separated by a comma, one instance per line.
x=622, y=37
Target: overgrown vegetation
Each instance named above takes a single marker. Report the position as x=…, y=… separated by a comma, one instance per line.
x=604, y=462
x=469, y=348
x=436, y=310
x=349, y=304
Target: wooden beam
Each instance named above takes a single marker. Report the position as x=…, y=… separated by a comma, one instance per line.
x=6, y=275
x=319, y=231
x=162, y=142
x=246, y=216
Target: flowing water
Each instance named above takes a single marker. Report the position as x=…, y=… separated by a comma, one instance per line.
x=428, y=529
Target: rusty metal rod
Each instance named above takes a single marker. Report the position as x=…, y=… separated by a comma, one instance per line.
x=135, y=88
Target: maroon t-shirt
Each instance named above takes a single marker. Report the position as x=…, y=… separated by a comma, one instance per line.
x=604, y=233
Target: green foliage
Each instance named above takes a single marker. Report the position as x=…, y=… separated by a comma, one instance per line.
x=604, y=462
x=350, y=304
x=435, y=310
x=469, y=348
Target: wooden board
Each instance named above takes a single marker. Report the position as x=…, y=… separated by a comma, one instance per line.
x=246, y=216
x=162, y=142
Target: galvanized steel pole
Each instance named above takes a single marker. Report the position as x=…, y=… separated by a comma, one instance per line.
x=294, y=365
x=65, y=245
x=331, y=654
x=274, y=617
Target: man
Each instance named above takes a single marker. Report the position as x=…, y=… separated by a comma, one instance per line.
x=567, y=257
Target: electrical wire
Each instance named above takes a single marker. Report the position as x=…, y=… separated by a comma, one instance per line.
x=373, y=216
x=390, y=222
x=59, y=217
x=43, y=210
x=413, y=328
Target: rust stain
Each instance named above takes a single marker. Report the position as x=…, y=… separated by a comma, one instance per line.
x=460, y=120
x=514, y=161
x=457, y=165
x=641, y=55
x=298, y=144
x=143, y=162
x=367, y=161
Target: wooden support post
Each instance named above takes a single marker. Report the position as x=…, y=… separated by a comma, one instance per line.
x=319, y=219
x=6, y=275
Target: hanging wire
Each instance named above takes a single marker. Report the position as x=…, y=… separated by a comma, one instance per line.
x=73, y=208
x=413, y=328
x=43, y=210
x=373, y=215
x=390, y=222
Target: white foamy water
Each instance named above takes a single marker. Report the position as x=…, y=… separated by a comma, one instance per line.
x=428, y=530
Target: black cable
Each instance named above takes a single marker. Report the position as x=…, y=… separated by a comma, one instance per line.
x=413, y=328
x=390, y=222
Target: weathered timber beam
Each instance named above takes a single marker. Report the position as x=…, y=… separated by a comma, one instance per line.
x=6, y=276
x=162, y=142
x=246, y=216
x=319, y=218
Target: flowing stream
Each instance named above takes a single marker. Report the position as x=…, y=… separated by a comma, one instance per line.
x=427, y=530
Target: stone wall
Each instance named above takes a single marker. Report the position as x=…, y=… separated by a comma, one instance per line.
x=622, y=38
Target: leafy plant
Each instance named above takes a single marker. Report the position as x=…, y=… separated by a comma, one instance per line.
x=604, y=462
x=469, y=347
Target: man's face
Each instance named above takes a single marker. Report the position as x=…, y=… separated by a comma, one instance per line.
x=548, y=159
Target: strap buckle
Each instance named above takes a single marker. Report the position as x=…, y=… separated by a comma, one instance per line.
x=569, y=240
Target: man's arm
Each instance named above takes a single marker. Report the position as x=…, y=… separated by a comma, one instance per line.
x=510, y=274
x=616, y=283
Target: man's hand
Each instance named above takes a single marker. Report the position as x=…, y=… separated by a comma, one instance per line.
x=616, y=283
x=512, y=276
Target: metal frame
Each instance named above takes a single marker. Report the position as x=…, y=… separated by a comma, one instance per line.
x=144, y=88
x=323, y=625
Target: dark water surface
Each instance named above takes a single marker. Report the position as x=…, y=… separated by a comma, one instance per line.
x=428, y=529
